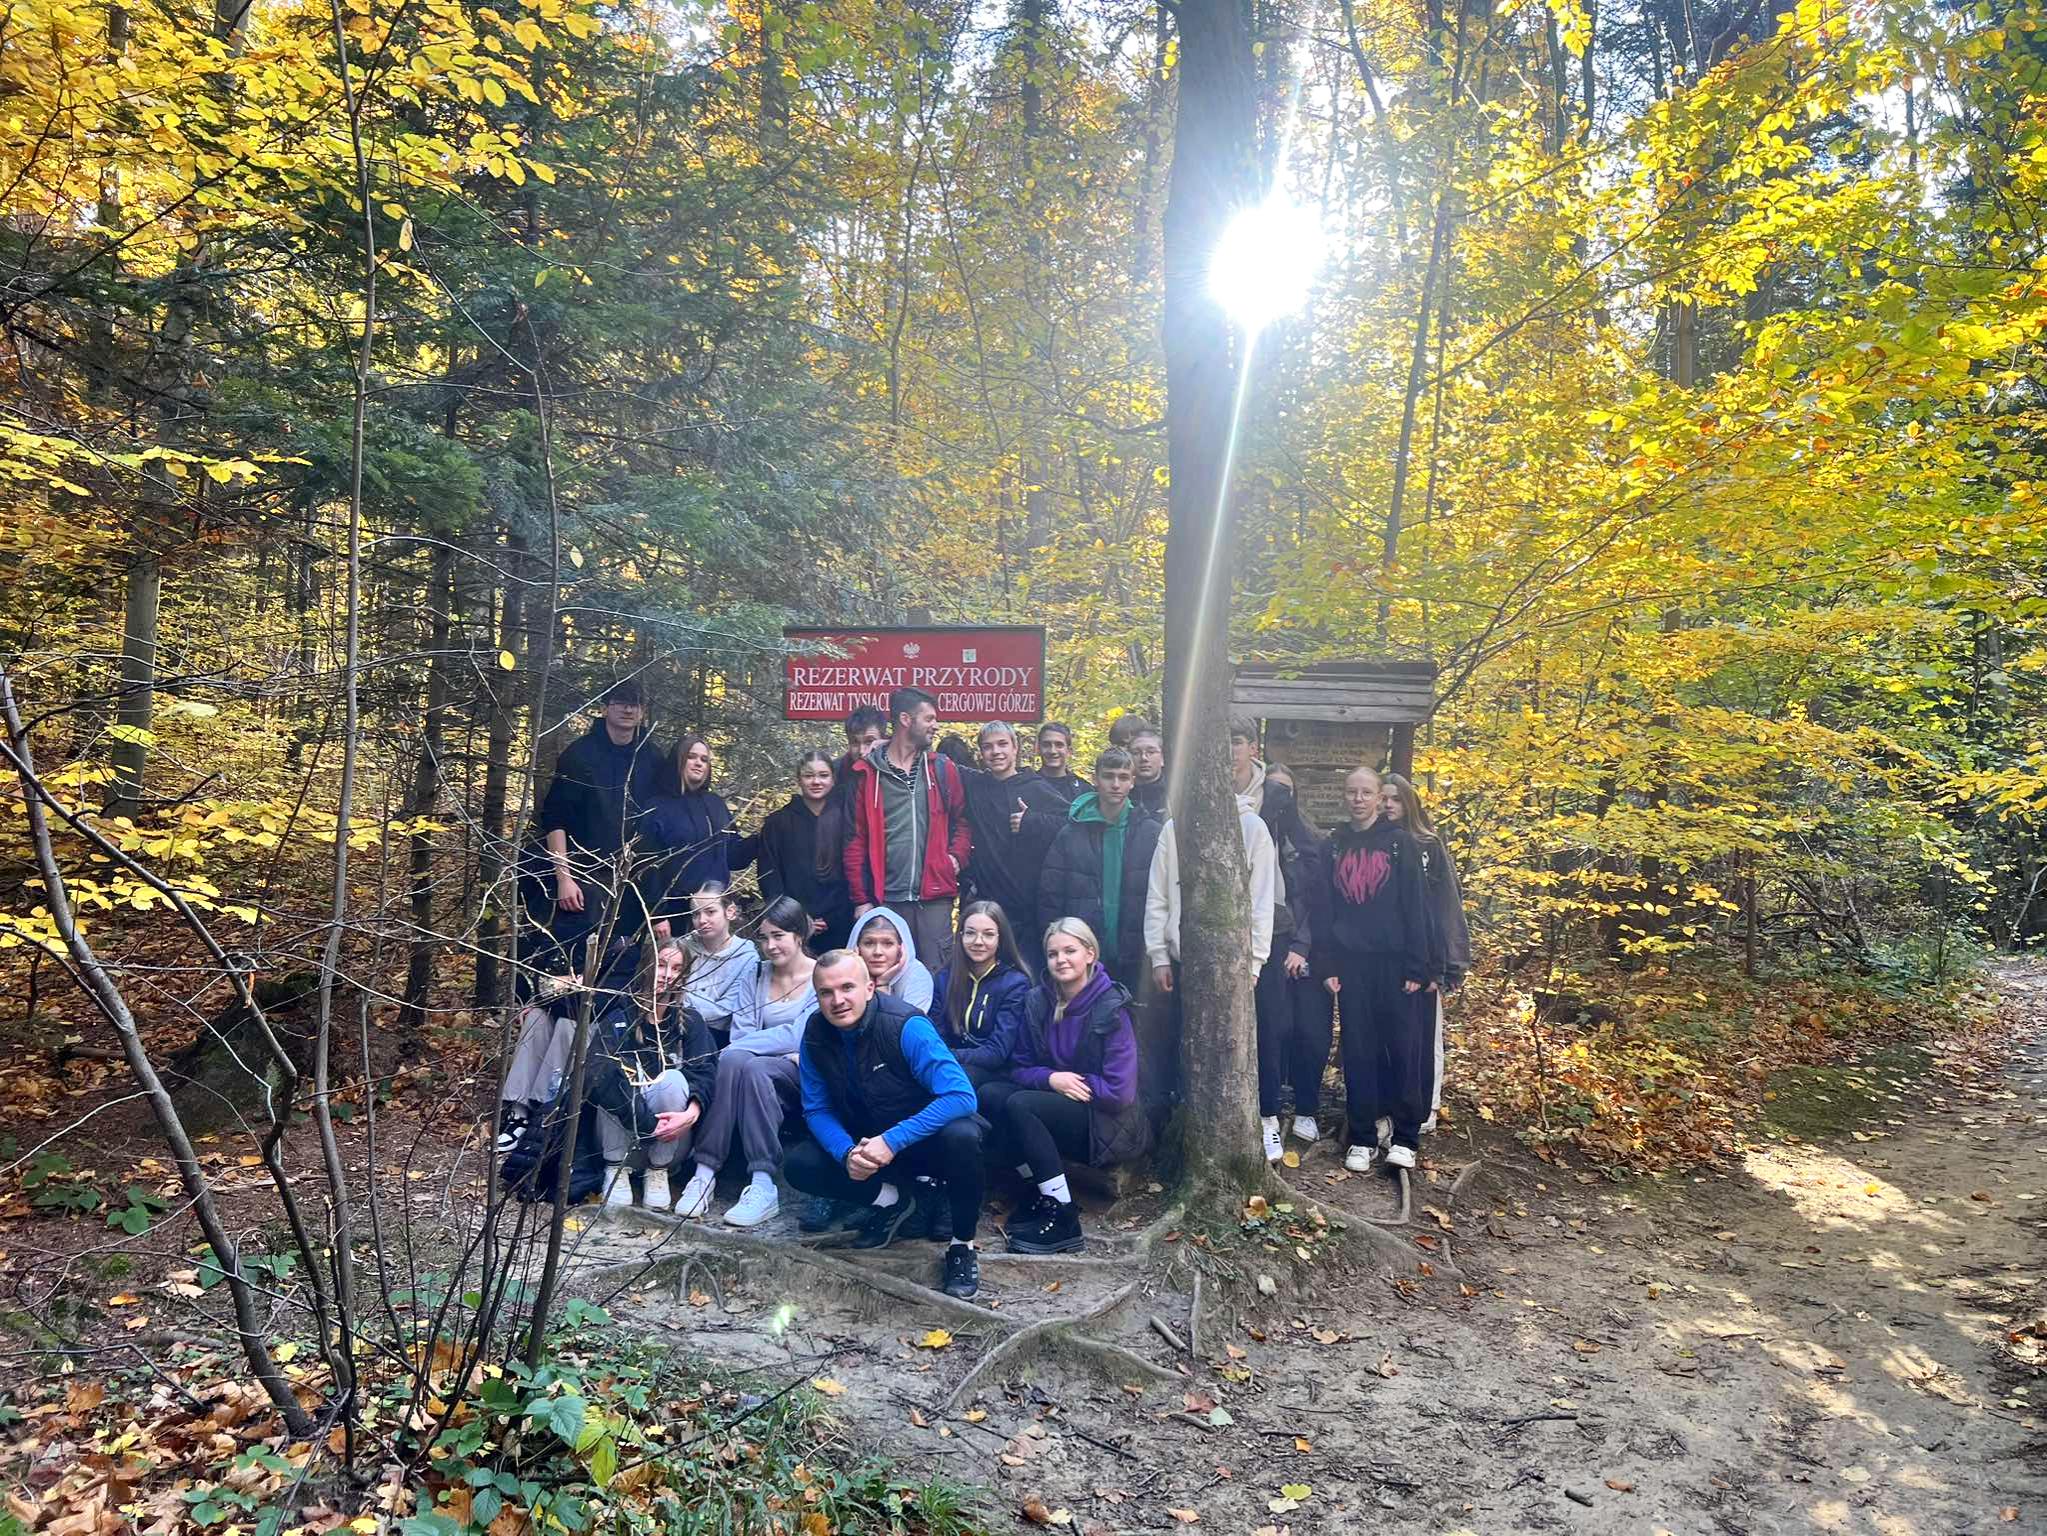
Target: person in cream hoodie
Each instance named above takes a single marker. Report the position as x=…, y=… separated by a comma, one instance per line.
x=1162, y=898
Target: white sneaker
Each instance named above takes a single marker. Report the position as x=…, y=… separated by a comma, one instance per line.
x=1268, y=1131
x=1358, y=1159
x=618, y=1187
x=756, y=1203
x=1383, y=1129
x=695, y=1198
x=1398, y=1156
x=511, y=1126
x=1305, y=1128
x=654, y=1190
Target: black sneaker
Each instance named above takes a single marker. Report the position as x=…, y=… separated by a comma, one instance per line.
x=821, y=1214
x=962, y=1273
x=883, y=1222
x=1054, y=1231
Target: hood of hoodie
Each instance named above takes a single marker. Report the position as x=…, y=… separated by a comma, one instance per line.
x=895, y=921
x=1252, y=798
x=1087, y=806
x=1098, y=986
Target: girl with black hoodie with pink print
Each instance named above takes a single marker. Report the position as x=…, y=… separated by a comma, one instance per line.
x=1374, y=951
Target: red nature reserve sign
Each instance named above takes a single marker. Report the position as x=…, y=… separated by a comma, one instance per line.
x=974, y=673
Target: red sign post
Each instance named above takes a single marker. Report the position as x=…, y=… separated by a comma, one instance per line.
x=994, y=673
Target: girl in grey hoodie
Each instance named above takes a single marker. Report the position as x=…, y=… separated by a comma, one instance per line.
x=723, y=965
x=893, y=965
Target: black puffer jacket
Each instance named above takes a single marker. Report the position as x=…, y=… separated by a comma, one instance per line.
x=1071, y=886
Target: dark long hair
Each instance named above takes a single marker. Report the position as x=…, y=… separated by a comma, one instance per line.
x=959, y=983
x=1414, y=816
x=787, y=914
x=831, y=821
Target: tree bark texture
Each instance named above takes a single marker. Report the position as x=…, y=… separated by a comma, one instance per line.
x=1215, y=147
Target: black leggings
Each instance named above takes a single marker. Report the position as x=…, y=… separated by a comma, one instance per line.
x=1037, y=1126
x=951, y=1156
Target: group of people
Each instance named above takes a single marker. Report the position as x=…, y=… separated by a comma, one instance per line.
x=823, y=1052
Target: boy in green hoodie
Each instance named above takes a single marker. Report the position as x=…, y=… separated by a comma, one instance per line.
x=1099, y=867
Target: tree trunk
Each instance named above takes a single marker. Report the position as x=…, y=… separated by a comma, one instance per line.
x=426, y=782
x=135, y=707
x=496, y=859
x=156, y=512
x=1215, y=144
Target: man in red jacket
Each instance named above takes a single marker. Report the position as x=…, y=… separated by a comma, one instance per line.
x=910, y=837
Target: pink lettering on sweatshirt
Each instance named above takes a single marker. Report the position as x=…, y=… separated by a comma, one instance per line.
x=1360, y=873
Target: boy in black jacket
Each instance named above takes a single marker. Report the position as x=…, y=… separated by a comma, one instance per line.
x=1098, y=868
x=1000, y=869
x=1374, y=952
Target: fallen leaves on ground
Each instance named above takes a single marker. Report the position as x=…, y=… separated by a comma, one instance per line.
x=1029, y=1442
x=1034, y=1510
x=827, y=1386
x=1291, y=1497
x=937, y=1338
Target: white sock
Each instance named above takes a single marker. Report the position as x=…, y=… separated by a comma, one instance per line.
x=703, y=1173
x=1057, y=1189
x=885, y=1197
x=965, y=1243
x=762, y=1177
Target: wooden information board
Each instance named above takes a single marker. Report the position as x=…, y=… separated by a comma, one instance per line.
x=1321, y=754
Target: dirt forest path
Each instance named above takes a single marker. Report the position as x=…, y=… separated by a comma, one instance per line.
x=1841, y=1334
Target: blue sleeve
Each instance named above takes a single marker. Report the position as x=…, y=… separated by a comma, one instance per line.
x=941, y=1076
x=825, y=1125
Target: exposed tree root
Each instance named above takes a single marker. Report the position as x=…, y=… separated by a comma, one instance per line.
x=1383, y=1237
x=1060, y=1335
x=1164, y=1330
x=1036, y=1268
x=1194, y=1320
x=1141, y=1246
x=693, y=1264
x=1462, y=1182
x=1113, y=1361
x=703, y=1241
